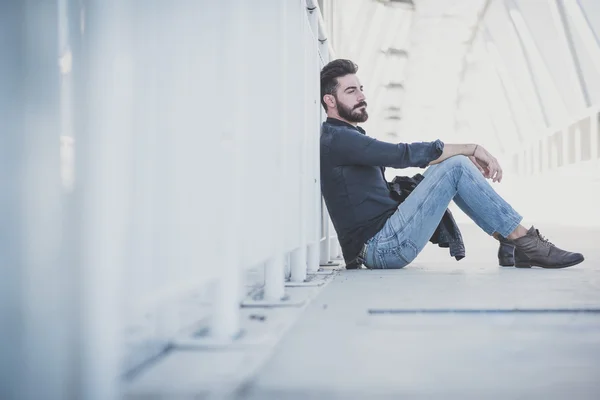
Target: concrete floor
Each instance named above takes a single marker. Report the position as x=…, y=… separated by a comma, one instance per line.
x=362, y=337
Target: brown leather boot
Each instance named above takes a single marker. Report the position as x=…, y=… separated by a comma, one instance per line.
x=506, y=252
x=533, y=250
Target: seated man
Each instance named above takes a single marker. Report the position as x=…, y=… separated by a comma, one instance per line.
x=378, y=231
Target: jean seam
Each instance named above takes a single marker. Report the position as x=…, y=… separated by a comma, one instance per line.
x=512, y=227
x=409, y=221
x=515, y=221
x=412, y=217
x=380, y=260
x=407, y=243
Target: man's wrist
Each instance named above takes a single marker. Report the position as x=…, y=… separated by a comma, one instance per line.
x=471, y=148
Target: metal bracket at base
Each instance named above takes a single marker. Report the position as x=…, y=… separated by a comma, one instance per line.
x=204, y=341
x=304, y=284
x=330, y=272
x=330, y=264
x=272, y=303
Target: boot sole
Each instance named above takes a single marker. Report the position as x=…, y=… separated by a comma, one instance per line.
x=522, y=265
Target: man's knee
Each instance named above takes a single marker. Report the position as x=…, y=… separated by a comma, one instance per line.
x=456, y=162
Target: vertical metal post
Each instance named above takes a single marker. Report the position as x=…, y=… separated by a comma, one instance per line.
x=577, y=133
x=232, y=25
x=298, y=257
x=564, y=150
x=298, y=264
x=103, y=191
x=326, y=237
x=36, y=286
x=495, y=60
x=594, y=138
x=336, y=251
x=543, y=145
x=529, y=65
x=568, y=37
x=551, y=151
x=312, y=65
x=275, y=267
x=534, y=158
x=325, y=253
x=586, y=33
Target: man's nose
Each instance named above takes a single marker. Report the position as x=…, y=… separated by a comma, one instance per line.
x=361, y=97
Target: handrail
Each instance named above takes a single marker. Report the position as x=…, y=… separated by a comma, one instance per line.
x=323, y=36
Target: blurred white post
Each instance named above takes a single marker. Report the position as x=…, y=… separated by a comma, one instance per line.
x=274, y=69
x=336, y=251
x=544, y=156
x=533, y=159
x=298, y=264
x=553, y=154
x=586, y=34
x=312, y=65
x=565, y=146
x=328, y=246
x=103, y=187
x=577, y=141
x=37, y=320
x=231, y=26
x=298, y=257
x=594, y=115
x=325, y=236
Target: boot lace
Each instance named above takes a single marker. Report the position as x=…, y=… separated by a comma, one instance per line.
x=544, y=240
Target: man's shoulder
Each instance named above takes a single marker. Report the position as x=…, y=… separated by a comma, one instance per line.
x=333, y=130
x=339, y=138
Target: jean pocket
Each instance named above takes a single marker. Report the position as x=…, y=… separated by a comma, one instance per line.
x=395, y=257
x=407, y=251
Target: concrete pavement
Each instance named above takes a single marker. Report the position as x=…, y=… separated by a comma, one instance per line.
x=363, y=337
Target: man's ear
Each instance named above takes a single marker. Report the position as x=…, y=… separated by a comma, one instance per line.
x=329, y=100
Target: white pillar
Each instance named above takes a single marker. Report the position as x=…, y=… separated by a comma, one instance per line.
x=325, y=235
x=103, y=154
x=276, y=12
x=565, y=146
x=231, y=29
x=544, y=155
x=299, y=256
x=313, y=132
x=594, y=138
x=577, y=133
x=37, y=288
x=298, y=264
x=336, y=251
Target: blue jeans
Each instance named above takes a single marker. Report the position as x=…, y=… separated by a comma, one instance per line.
x=409, y=229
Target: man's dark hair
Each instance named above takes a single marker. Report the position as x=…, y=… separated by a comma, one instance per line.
x=330, y=73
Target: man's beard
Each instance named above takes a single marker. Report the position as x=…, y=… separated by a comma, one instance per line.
x=353, y=114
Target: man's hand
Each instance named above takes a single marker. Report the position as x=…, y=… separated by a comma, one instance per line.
x=487, y=164
x=483, y=160
x=479, y=167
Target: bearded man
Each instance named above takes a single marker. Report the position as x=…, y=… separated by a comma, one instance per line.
x=376, y=229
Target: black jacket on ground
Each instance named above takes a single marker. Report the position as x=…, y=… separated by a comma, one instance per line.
x=447, y=234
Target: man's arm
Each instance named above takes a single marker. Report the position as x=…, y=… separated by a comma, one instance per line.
x=483, y=160
x=451, y=150
x=354, y=148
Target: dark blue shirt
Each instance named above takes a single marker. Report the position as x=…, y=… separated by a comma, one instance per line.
x=353, y=182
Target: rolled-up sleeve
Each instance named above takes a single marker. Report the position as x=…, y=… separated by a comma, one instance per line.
x=354, y=148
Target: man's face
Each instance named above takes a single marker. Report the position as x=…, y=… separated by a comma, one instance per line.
x=350, y=99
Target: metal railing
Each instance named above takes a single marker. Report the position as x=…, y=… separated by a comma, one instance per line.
x=191, y=157
x=563, y=147
x=561, y=170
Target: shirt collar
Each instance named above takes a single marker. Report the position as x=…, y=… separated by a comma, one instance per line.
x=335, y=121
